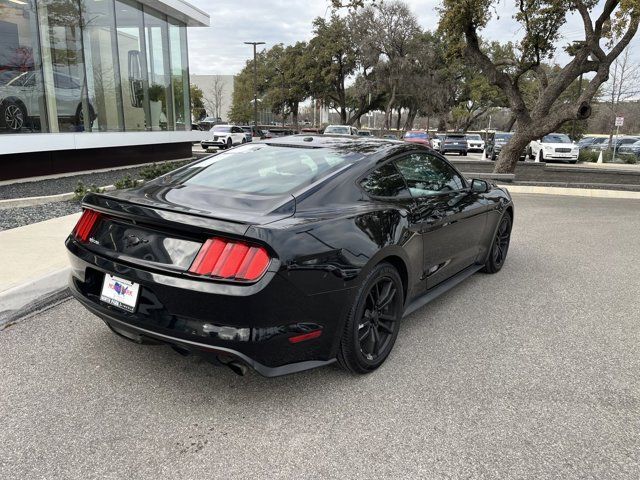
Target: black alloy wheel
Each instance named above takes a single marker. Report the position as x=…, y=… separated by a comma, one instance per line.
x=13, y=116
x=372, y=325
x=499, y=246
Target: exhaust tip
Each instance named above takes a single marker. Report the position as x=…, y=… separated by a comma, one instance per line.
x=238, y=368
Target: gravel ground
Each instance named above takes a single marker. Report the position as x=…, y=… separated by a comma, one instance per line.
x=18, y=217
x=64, y=184
x=531, y=373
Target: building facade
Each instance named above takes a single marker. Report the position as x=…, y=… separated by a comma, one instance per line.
x=79, y=78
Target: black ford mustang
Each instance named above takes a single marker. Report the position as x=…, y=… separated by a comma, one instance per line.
x=288, y=254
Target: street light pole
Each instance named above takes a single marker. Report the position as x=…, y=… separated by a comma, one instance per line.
x=255, y=83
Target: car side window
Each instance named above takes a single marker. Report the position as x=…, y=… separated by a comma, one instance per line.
x=427, y=174
x=385, y=181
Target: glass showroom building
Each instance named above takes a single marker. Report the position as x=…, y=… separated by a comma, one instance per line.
x=93, y=83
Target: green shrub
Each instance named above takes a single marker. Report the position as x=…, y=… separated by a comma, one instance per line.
x=627, y=158
x=591, y=156
x=155, y=170
x=127, y=182
x=81, y=190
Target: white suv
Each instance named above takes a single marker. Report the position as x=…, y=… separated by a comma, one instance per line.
x=555, y=146
x=342, y=130
x=19, y=99
x=475, y=142
x=224, y=136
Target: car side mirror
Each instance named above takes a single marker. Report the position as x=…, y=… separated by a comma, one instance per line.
x=479, y=186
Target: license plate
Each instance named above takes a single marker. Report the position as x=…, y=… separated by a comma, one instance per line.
x=120, y=293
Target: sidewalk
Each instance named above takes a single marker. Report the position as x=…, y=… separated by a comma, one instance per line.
x=33, y=261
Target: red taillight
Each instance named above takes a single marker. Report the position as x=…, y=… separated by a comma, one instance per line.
x=305, y=336
x=85, y=225
x=227, y=259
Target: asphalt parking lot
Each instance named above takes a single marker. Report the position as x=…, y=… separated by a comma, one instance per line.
x=530, y=373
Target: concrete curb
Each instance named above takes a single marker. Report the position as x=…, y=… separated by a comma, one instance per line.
x=32, y=296
x=576, y=192
x=32, y=201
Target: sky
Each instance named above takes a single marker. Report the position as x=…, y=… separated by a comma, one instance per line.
x=219, y=49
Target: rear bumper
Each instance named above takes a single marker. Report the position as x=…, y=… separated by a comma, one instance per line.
x=453, y=148
x=251, y=323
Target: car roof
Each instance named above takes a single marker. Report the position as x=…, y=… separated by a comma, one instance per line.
x=366, y=145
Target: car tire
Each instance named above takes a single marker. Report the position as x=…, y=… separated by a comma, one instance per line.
x=499, y=245
x=229, y=143
x=13, y=116
x=78, y=120
x=373, y=321
x=573, y=162
x=530, y=153
x=494, y=157
x=244, y=140
x=540, y=156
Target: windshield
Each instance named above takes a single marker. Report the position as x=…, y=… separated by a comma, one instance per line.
x=8, y=75
x=265, y=169
x=556, y=138
x=221, y=129
x=474, y=136
x=340, y=130
x=416, y=135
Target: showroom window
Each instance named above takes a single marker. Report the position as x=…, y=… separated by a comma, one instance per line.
x=63, y=65
x=179, y=74
x=157, y=47
x=103, y=72
x=22, y=103
x=133, y=66
x=91, y=66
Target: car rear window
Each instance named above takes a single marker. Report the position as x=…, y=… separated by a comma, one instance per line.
x=265, y=169
x=341, y=130
x=416, y=135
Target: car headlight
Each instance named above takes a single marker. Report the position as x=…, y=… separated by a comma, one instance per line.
x=547, y=148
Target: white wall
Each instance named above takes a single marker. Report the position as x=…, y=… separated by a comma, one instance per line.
x=206, y=83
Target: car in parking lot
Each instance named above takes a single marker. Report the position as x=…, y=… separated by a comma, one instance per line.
x=554, y=146
x=418, y=136
x=20, y=100
x=224, y=136
x=630, y=149
x=595, y=144
x=496, y=142
x=287, y=254
x=454, y=143
x=344, y=130
x=436, y=141
x=208, y=123
x=365, y=133
x=475, y=143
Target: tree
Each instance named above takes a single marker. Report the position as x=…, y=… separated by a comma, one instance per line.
x=198, y=111
x=623, y=86
x=334, y=57
x=616, y=25
x=213, y=97
x=242, y=99
x=390, y=33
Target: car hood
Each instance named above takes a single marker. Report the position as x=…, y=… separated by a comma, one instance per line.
x=559, y=145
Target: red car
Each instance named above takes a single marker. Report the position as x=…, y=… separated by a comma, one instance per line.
x=418, y=136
